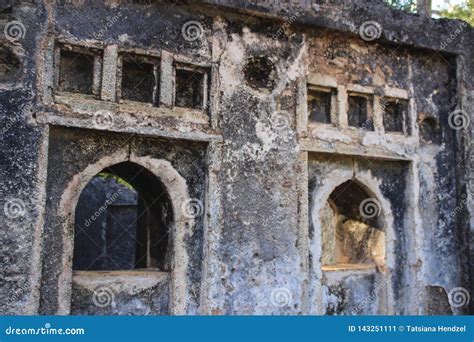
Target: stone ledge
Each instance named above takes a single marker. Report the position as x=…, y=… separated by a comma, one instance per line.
x=55, y=119
x=347, y=17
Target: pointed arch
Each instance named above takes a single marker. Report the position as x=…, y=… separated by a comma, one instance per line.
x=319, y=197
x=177, y=191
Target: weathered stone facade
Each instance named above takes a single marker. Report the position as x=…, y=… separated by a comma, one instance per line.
x=303, y=157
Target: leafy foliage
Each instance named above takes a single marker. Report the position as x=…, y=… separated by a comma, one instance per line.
x=464, y=12
x=106, y=176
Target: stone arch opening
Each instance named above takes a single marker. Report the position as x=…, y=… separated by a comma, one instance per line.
x=122, y=221
x=76, y=290
x=358, y=280
x=352, y=229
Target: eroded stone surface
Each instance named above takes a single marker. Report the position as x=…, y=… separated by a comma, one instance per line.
x=261, y=171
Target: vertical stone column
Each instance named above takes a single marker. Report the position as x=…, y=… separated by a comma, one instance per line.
x=211, y=288
x=342, y=107
x=167, y=79
x=109, y=74
x=302, y=108
x=219, y=37
x=303, y=227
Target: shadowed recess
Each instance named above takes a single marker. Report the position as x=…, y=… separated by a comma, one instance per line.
x=122, y=221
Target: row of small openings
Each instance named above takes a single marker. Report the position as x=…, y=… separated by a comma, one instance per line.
x=322, y=108
x=139, y=78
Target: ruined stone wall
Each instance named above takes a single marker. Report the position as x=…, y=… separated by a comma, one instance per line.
x=23, y=159
x=248, y=154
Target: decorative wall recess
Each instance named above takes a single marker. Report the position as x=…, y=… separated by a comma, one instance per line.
x=140, y=78
x=78, y=70
x=191, y=87
x=395, y=117
x=321, y=104
x=260, y=73
x=359, y=111
x=352, y=234
x=353, y=105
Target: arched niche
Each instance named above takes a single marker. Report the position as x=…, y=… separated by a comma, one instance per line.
x=163, y=175
x=351, y=250
x=353, y=232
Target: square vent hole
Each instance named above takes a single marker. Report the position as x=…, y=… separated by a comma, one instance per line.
x=76, y=71
x=359, y=111
x=395, y=118
x=321, y=104
x=140, y=79
x=190, y=88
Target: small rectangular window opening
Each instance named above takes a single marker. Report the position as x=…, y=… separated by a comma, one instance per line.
x=140, y=79
x=395, y=117
x=320, y=104
x=76, y=71
x=359, y=112
x=190, y=88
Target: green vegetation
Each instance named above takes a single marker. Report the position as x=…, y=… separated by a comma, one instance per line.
x=464, y=12
x=106, y=176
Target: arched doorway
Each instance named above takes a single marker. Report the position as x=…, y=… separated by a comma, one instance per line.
x=122, y=233
x=157, y=283
x=122, y=221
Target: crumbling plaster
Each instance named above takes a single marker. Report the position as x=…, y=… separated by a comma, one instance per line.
x=255, y=236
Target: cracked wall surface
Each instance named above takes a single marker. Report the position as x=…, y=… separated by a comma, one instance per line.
x=214, y=98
